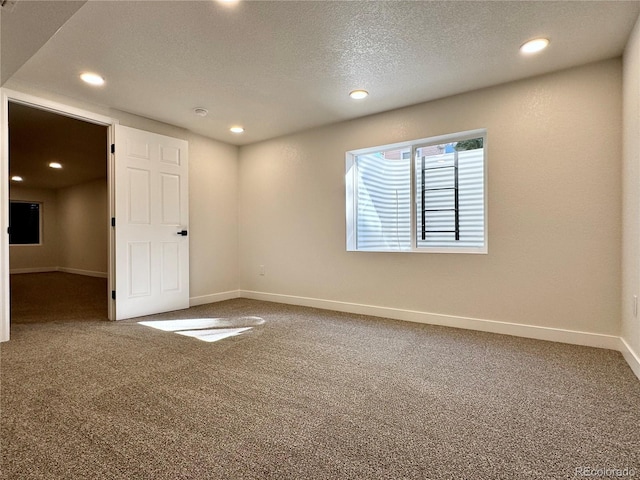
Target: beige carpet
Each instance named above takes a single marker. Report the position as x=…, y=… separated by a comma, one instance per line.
x=308, y=394
x=57, y=296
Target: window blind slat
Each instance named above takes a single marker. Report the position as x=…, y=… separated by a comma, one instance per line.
x=383, y=201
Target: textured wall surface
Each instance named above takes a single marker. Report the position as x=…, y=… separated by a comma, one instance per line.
x=554, y=201
x=84, y=226
x=631, y=188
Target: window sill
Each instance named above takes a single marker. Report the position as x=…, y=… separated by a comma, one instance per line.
x=455, y=250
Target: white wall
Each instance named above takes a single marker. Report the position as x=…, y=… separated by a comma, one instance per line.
x=630, y=330
x=554, y=202
x=213, y=212
x=46, y=255
x=83, y=226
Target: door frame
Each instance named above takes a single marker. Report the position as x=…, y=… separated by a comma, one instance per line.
x=7, y=96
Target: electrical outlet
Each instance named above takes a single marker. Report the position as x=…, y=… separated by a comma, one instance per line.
x=635, y=306
x=262, y=271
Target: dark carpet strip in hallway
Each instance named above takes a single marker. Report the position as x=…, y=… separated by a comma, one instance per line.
x=57, y=296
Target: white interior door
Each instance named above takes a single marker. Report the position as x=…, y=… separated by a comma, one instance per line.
x=151, y=223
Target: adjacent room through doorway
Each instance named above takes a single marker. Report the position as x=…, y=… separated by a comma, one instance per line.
x=59, y=228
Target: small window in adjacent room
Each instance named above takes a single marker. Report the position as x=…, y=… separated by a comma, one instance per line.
x=24, y=223
x=420, y=196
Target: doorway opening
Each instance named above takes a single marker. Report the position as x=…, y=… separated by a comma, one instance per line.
x=59, y=211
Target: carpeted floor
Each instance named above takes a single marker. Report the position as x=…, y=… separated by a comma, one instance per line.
x=308, y=394
x=55, y=296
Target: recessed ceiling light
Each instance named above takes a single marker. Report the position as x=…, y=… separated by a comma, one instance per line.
x=358, y=94
x=237, y=129
x=92, y=78
x=55, y=165
x=201, y=112
x=17, y=178
x=535, y=45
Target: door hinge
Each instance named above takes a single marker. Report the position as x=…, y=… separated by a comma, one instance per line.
x=113, y=148
x=113, y=294
x=113, y=221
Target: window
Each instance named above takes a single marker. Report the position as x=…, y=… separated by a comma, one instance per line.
x=421, y=196
x=24, y=223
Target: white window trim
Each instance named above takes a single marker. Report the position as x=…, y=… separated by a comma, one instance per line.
x=351, y=186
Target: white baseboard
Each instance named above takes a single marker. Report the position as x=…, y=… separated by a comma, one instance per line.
x=87, y=273
x=630, y=356
x=14, y=271
x=528, y=331
x=75, y=271
x=213, y=298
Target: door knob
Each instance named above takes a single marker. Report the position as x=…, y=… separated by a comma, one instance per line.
x=184, y=233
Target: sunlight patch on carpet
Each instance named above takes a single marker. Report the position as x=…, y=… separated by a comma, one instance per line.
x=206, y=329
x=213, y=335
x=186, y=324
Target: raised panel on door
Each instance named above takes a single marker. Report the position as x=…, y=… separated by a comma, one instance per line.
x=170, y=273
x=138, y=196
x=137, y=148
x=139, y=268
x=170, y=155
x=170, y=199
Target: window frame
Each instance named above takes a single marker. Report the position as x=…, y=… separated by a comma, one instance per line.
x=40, y=224
x=351, y=192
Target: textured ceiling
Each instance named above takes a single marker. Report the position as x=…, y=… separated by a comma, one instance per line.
x=284, y=66
x=25, y=28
